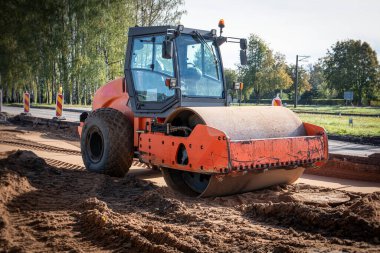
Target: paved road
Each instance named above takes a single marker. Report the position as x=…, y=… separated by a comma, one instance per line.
x=45, y=113
x=335, y=147
x=348, y=148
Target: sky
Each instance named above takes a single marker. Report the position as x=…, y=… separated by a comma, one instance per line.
x=291, y=27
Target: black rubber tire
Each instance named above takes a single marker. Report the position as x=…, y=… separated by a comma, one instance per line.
x=107, y=142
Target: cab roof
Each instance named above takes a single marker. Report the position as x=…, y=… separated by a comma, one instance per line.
x=147, y=30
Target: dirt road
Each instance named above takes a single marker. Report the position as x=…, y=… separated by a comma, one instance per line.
x=48, y=202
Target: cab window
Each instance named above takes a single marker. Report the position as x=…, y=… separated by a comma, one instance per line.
x=149, y=69
x=200, y=69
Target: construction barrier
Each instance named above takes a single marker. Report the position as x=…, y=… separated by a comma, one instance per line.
x=26, y=102
x=277, y=101
x=59, y=106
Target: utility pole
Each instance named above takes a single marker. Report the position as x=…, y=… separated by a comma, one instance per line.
x=298, y=58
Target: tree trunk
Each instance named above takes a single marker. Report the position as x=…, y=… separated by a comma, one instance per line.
x=360, y=96
x=106, y=62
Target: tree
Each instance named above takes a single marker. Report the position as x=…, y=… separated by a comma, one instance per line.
x=303, y=79
x=231, y=76
x=78, y=44
x=257, y=56
x=279, y=78
x=316, y=78
x=265, y=71
x=157, y=12
x=352, y=65
x=319, y=86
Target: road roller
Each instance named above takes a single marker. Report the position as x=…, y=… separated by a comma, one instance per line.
x=171, y=111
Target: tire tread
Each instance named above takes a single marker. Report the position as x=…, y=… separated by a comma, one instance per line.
x=120, y=133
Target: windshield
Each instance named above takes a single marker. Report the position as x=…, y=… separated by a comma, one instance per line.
x=200, y=68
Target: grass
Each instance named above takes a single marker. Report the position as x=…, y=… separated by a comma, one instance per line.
x=338, y=125
x=338, y=109
x=370, y=110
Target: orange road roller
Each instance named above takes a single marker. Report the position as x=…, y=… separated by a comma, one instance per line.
x=171, y=111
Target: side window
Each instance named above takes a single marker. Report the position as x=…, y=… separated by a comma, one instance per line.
x=142, y=53
x=202, y=57
x=162, y=65
x=149, y=69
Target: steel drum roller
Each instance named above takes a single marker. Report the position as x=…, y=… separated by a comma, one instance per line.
x=239, y=123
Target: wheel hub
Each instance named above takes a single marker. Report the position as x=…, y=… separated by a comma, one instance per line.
x=95, y=144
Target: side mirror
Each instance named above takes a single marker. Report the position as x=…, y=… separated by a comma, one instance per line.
x=243, y=57
x=243, y=44
x=167, y=49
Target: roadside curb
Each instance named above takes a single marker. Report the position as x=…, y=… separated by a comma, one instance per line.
x=374, y=141
x=48, y=122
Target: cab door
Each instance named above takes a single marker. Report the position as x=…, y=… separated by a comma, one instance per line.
x=146, y=72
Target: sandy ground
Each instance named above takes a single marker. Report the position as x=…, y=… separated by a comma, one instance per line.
x=24, y=136
x=48, y=202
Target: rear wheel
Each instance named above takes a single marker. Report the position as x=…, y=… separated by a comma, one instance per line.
x=107, y=142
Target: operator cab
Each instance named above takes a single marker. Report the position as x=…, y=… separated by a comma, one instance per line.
x=168, y=67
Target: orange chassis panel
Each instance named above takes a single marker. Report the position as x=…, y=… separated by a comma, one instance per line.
x=210, y=150
x=206, y=147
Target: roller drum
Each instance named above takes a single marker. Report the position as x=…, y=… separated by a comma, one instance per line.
x=247, y=122
x=239, y=124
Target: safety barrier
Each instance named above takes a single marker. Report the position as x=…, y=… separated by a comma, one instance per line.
x=59, y=106
x=276, y=101
x=26, y=103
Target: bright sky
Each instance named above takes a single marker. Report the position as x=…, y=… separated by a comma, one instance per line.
x=291, y=27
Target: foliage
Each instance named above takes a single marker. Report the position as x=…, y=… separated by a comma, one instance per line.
x=353, y=65
x=340, y=109
x=231, y=76
x=264, y=72
x=155, y=12
x=349, y=65
x=81, y=45
x=278, y=77
x=77, y=44
x=318, y=82
x=303, y=80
